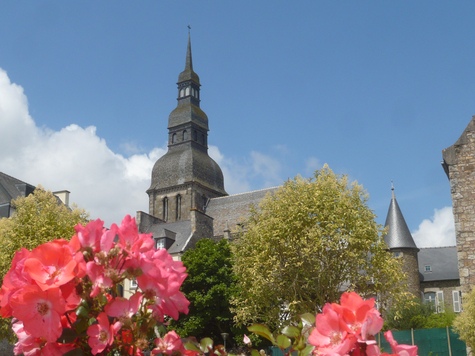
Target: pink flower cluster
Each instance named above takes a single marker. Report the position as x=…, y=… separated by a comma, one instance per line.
x=64, y=288
x=349, y=328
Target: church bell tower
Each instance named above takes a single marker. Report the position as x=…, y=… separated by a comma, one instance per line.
x=185, y=177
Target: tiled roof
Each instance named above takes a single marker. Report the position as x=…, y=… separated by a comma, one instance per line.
x=442, y=261
x=181, y=228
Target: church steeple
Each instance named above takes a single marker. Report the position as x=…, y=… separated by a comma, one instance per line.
x=186, y=176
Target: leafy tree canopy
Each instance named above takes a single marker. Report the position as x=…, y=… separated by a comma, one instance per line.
x=38, y=218
x=304, y=245
x=209, y=286
x=464, y=323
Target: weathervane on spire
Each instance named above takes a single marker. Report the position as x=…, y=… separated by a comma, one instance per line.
x=392, y=185
x=189, y=29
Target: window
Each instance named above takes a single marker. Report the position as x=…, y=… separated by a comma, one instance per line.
x=429, y=298
x=133, y=283
x=440, y=301
x=456, y=301
x=178, y=207
x=174, y=138
x=182, y=93
x=187, y=92
x=397, y=254
x=427, y=268
x=160, y=243
x=185, y=135
x=165, y=209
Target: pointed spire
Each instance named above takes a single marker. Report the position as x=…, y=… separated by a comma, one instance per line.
x=188, y=73
x=189, y=60
x=398, y=235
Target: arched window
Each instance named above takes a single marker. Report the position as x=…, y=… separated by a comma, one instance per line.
x=174, y=138
x=187, y=92
x=182, y=93
x=178, y=207
x=165, y=209
x=185, y=135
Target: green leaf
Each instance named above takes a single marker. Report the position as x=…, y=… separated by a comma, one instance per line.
x=206, y=345
x=308, y=318
x=291, y=331
x=68, y=335
x=306, y=350
x=254, y=352
x=283, y=341
x=191, y=346
x=82, y=311
x=261, y=330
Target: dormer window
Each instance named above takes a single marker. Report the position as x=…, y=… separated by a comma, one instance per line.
x=160, y=243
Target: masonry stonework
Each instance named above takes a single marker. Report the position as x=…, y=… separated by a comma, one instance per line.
x=459, y=165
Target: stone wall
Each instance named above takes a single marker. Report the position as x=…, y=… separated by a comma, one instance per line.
x=445, y=286
x=459, y=165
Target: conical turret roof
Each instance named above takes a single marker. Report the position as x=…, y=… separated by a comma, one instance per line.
x=398, y=235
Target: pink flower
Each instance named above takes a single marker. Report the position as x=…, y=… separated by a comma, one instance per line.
x=124, y=308
x=170, y=343
x=56, y=349
x=246, y=339
x=130, y=239
x=403, y=350
x=27, y=344
x=102, y=334
x=99, y=281
x=15, y=279
x=331, y=334
x=354, y=310
x=51, y=265
x=40, y=311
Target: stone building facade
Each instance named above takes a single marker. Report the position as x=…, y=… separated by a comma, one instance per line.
x=459, y=165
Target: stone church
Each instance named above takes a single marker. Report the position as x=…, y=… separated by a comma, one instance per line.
x=188, y=202
x=187, y=199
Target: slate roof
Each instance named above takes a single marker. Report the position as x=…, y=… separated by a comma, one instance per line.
x=12, y=188
x=233, y=209
x=398, y=235
x=442, y=261
x=182, y=229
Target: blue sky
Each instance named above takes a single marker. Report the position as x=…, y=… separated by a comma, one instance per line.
x=374, y=89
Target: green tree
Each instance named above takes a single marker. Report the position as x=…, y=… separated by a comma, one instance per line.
x=464, y=323
x=38, y=218
x=305, y=244
x=408, y=314
x=209, y=287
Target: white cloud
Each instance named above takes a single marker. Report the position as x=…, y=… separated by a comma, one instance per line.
x=105, y=183
x=437, y=231
x=311, y=165
x=266, y=166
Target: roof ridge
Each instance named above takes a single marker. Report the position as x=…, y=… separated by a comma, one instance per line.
x=434, y=247
x=9, y=176
x=252, y=191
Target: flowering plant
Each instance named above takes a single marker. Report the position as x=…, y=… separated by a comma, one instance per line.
x=348, y=328
x=63, y=295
